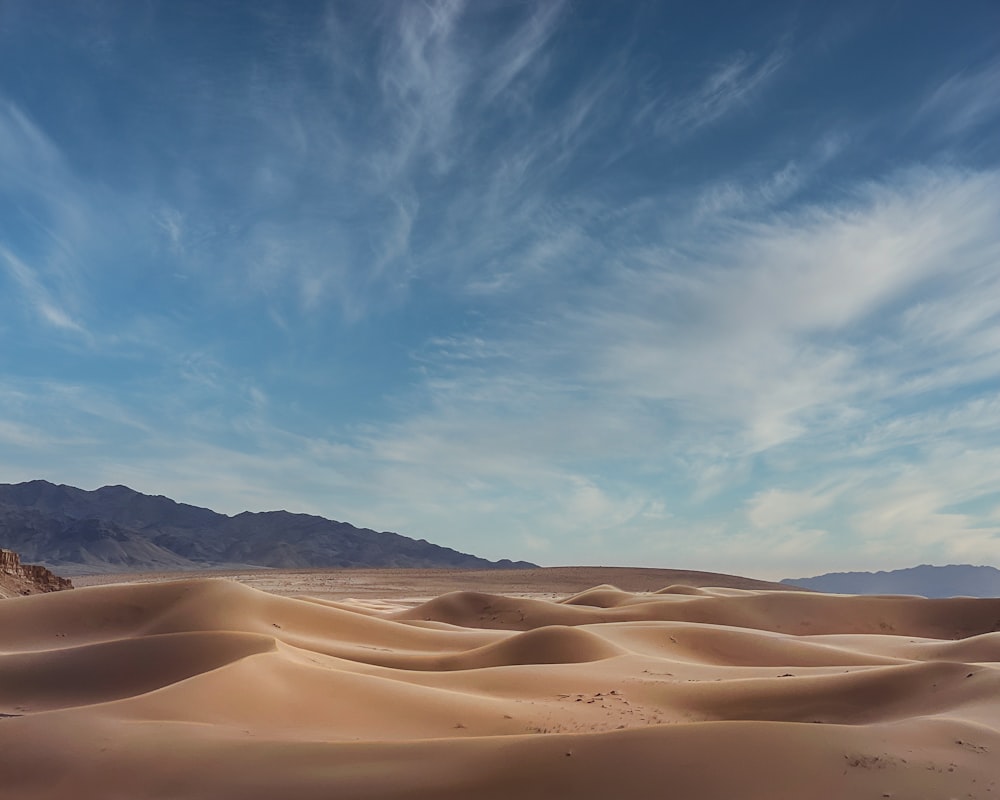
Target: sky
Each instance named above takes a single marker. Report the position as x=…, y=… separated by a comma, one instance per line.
x=696, y=285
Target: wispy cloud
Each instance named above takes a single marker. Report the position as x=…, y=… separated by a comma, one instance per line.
x=774, y=508
x=36, y=294
x=171, y=222
x=422, y=79
x=758, y=194
x=24, y=148
x=477, y=271
x=769, y=315
x=729, y=87
x=965, y=101
x=739, y=343
x=523, y=50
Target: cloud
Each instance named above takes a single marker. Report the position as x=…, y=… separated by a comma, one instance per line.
x=730, y=86
x=171, y=222
x=775, y=507
x=36, y=294
x=963, y=102
x=461, y=251
x=422, y=77
x=18, y=436
x=769, y=346
x=61, y=234
x=24, y=148
x=757, y=195
x=916, y=507
x=758, y=323
x=523, y=49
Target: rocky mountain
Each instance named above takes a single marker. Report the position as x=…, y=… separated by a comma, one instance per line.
x=115, y=529
x=954, y=580
x=18, y=579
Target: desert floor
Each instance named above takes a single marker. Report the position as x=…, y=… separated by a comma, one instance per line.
x=500, y=685
x=406, y=586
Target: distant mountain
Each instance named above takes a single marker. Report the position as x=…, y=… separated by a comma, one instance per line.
x=116, y=529
x=955, y=580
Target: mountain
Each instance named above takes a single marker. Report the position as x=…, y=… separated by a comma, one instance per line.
x=955, y=580
x=115, y=528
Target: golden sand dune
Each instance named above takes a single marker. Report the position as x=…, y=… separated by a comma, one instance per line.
x=210, y=689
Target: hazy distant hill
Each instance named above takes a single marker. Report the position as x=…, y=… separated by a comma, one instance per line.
x=951, y=581
x=118, y=529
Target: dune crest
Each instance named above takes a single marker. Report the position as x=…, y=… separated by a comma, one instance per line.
x=210, y=689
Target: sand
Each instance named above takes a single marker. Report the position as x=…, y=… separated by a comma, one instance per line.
x=210, y=688
x=421, y=584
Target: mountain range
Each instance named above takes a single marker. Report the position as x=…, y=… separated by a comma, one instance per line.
x=117, y=529
x=954, y=580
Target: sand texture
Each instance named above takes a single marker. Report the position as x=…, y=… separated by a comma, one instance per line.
x=409, y=584
x=209, y=689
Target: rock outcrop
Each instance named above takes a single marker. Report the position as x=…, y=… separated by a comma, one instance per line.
x=17, y=578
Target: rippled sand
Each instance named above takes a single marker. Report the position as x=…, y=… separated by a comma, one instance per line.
x=208, y=688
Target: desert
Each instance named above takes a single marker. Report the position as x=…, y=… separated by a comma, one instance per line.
x=499, y=400
x=159, y=686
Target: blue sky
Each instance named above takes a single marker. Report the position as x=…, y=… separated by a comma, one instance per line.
x=707, y=285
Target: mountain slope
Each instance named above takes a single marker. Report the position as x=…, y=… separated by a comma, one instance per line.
x=115, y=528
x=954, y=580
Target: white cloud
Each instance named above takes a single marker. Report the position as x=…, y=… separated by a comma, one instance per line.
x=171, y=222
x=963, y=102
x=523, y=49
x=764, y=363
x=37, y=295
x=422, y=78
x=773, y=508
x=17, y=435
x=780, y=341
x=25, y=151
x=730, y=197
x=760, y=324
x=730, y=86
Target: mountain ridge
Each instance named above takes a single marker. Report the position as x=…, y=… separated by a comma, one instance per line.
x=927, y=580
x=115, y=528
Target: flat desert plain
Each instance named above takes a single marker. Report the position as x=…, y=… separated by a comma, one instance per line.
x=526, y=684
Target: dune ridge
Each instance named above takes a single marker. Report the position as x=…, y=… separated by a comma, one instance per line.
x=207, y=688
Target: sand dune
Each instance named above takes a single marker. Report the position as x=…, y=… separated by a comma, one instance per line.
x=211, y=689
